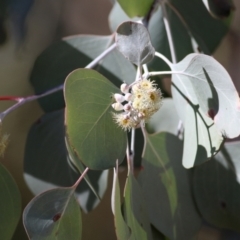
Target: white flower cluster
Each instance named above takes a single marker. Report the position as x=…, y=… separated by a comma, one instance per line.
x=138, y=102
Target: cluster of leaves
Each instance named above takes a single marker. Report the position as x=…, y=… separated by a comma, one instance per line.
x=77, y=131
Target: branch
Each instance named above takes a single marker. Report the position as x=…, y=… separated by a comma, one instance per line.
x=23, y=100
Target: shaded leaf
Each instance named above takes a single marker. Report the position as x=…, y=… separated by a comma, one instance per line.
x=91, y=131
x=122, y=230
x=212, y=89
x=216, y=186
x=133, y=41
x=136, y=7
x=46, y=150
x=57, y=61
x=53, y=214
x=166, y=187
x=10, y=204
x=135, y=211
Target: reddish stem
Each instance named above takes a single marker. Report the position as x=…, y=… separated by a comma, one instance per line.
x=10, y=98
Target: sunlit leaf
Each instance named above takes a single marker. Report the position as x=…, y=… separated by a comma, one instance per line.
x=57, y=61
x=133, y=41
x=166, y=187
x=135, y=211
x=46, y=150
x=212, y=88
x=216, y=188
x=122, y=230
x=54, y=214
x=202, y=140
x=91, y=131
x=10, y=204
x=136, y=7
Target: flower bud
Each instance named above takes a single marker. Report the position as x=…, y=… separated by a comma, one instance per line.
x=124, y=88
x=128, y=96
x=127, y=107
x=117, y=106
x=118, y=97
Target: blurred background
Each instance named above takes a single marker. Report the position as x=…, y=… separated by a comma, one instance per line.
x=28, y=27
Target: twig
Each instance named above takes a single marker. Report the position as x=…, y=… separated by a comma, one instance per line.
x=169, y=34
x=80, y=178
x=23, y=100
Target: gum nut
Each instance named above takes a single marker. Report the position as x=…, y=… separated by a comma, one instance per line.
x=127, y=107
x=128, y=96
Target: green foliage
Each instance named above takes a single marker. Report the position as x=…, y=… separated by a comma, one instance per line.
x=91, y=131
x=71, y=148
x=10, y=204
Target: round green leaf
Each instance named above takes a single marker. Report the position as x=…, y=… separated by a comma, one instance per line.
x=91, y=131
x=133, y=41
x=136, y=7
x=54, y=214
x=10, y=204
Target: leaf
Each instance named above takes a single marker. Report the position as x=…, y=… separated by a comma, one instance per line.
x=122, y=230
x=10, y=204
x=46, y=150
x=216, y=186
x=219, y=9
x=54, y=214
x=135, y=211
x=213, y=90
x=165, y=120
x=134, y=8
x=91, y=131
x=57, y=61
x=133, y=41
x=166, y=188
